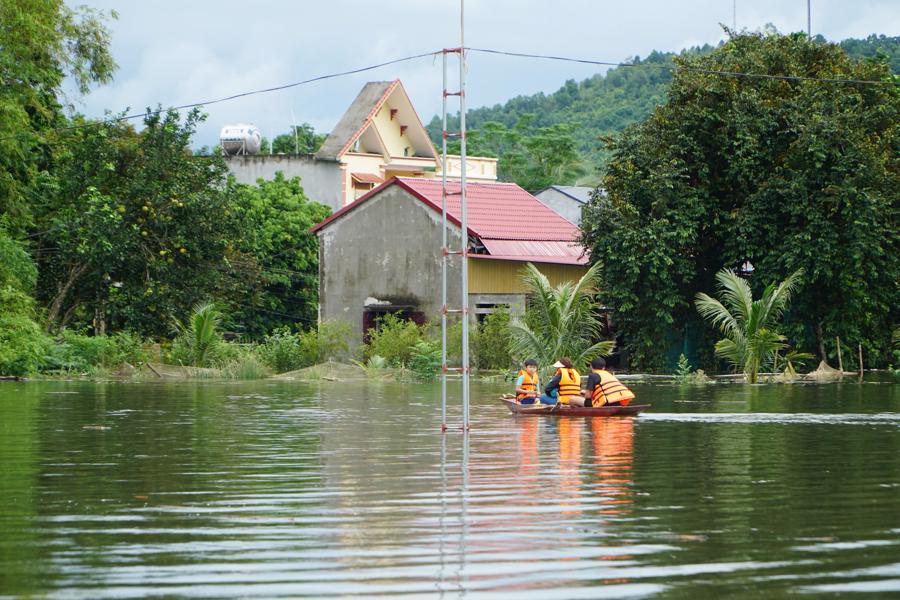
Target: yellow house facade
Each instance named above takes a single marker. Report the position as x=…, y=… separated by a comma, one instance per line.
x=381, y=136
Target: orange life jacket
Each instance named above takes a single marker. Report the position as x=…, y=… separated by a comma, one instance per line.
x=529, y=383
x=569, y=384
x=610, y=390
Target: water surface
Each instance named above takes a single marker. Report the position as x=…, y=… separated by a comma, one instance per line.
x=297, y=490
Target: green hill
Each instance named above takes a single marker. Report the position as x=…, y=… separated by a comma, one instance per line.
x=606, y=104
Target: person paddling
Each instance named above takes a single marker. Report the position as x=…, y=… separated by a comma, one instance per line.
x=565, y=387
x=604, y=388
x=528, y=384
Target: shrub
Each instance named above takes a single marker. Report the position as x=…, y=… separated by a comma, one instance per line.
x=23, y=344
x=425, y=359
x=282, y=351
x=492, y=341
x=246, y=365
x=84, y=353
x=199, y=342
x=334, y=341
x=394, y=340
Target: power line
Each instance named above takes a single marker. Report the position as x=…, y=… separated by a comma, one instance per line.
x=235, y=96
x=587, y=61
x=469, y=49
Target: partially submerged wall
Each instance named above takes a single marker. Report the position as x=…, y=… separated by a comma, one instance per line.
x=384, y=252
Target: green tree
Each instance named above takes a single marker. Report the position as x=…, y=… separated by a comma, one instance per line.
x=42, y=42
x=301, y=139
x=22, y=343
x=786, y=174
x=131, y=228
x=750, y=326
x=492, y=340
x=560, y=321
x=275, y=263
x=533, y=157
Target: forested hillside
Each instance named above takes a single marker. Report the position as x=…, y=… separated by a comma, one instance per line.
x=606, y=104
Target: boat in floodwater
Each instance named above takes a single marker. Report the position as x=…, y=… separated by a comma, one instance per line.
x=564, y=410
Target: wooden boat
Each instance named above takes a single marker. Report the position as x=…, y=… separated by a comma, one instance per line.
x=563, y=410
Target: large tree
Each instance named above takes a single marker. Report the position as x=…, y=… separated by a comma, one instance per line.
x=131, y=228
x=274, y=266
x=774, y=172
x=41, y=43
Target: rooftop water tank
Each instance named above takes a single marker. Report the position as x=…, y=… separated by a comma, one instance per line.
x=240, y=139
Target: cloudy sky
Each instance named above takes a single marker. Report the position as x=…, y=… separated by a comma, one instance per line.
x=178, y=52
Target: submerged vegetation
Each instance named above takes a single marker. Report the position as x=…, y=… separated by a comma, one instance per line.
x=750, y=326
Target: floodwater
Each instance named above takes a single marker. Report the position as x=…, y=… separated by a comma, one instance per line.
x=297, y=490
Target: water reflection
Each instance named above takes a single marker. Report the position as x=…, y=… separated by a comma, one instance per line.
x=316, y=491
x=613, y=445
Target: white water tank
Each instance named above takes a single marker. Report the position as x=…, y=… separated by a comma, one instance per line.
x=241, y=138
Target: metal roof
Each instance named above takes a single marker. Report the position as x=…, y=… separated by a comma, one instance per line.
x=578, y=193
x=511, y=223
x=570, y=253
x=499, y=211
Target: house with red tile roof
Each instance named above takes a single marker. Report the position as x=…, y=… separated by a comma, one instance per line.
x=382, y=252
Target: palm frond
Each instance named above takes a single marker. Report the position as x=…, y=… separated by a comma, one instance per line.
x=735, y=293
x=715, y=312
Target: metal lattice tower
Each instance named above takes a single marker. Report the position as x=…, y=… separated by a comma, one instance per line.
x=462, y=252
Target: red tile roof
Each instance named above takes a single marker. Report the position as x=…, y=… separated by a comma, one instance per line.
x=500, y=212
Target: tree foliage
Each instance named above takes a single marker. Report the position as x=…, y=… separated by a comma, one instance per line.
x=533, y=157
x=132, y=229
x=560, y=321
x=275, y=263
x=750, y=326
x=600, y=105
x=301, y=139
x=41, y=43
x=785, y=174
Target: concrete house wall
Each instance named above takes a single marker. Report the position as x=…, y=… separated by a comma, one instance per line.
x=384, y=253
x=322, y=180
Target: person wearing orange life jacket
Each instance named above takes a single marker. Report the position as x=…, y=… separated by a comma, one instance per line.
x=565, y=387
x=528, y=384
x=604, y=388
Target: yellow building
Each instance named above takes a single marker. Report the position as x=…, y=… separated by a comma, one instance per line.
x=381, y=136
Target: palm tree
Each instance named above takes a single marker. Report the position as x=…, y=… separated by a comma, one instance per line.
x=201, y=334
x=749, y=325
x=561, y=321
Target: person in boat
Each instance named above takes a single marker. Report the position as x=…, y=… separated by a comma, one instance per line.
x=565, y=386
x=528, y=384
x=604, y=388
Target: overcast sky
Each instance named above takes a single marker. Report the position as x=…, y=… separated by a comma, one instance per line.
x=178, y=52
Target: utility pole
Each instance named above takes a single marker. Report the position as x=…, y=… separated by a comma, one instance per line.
x=809, y=19
x=734, y=15
x=446, y=252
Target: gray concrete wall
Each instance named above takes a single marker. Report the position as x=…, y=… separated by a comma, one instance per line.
x=569, y=208
x=385, y=250
x=322, y=180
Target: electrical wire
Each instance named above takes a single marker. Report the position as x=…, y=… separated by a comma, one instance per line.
x=493, y=51
x=234, y=96
x=586, y=61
